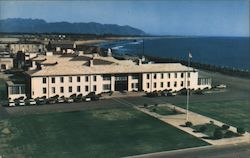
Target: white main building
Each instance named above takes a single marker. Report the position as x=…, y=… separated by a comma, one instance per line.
x=69, y=74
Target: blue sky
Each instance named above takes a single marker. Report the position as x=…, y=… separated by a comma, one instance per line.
x=179, y=17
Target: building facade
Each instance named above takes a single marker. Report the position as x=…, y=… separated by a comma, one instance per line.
x=65, y=75
x=26, y=47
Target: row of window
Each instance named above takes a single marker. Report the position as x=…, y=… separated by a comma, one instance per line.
x=70, y=79
x=70, y=89
x=168, y=75
x=168, y=84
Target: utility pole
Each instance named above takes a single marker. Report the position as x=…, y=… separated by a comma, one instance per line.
x=188, y=84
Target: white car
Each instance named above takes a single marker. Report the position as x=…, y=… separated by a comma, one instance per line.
x=221, y=86
x=32, y=102
x=87, y=99
x=11, y=103
x=61, y=100
x=21, y=103
x=70, y=100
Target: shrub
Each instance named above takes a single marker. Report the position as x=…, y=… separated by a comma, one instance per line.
x=203, y=128
x=218, y=134
x=145, y=105
x=229, y=134
x=240, y=130
x=154, y=109
x=225, y=127
x=211, y=122
x=188, y=124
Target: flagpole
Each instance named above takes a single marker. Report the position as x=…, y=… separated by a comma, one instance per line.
x=188, y=87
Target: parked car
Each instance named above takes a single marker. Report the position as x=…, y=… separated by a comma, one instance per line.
x=87, y=99
x=92, y=96
x=61, y=100
x=11, y=104
x=78, y=98
x=51, y=101
x=69, y=100
x=40, y=101
x=32, y=102
x=221, y=86
x=19, y=102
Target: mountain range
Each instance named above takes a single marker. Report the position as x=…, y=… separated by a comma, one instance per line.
x=20, y=25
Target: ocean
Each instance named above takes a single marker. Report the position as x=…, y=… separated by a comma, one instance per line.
x=233, y=52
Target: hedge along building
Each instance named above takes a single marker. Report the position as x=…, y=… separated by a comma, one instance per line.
x=69, y=74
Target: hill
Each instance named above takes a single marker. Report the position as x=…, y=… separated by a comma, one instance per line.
x=20, y=25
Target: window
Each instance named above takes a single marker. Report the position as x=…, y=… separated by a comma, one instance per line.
x=53, y=89
x=44, y=80
x=121, y=78
x=169, y=75
x=70, y=89
x=61, y=79
x=14, y=90
x=61, y=89
x=44, y=90
x=94, y=78
x=106, y=87
x=86, y=78
x=188, y=83
x=175, y=75
x=136, y=85
x=155, y=84
x=182, y=75
x=148, y=76
x=70, y=79
x=148, y=85
x=78, y=88
x=162, y=76
x=188, y=74
x=182, y=83
x=86, y=88
x=168, y=84
x=175, y=84
x=78, y=79
x=161, y=84
x=155, y=76
x=106, y=77
x=135, y=77
x=53, y=80
x=94, y=88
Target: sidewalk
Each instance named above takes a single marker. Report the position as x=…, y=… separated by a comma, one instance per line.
x=180, y=119
x=122, y=95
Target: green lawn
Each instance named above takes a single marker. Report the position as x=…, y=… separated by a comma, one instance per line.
x=234, y=113
x=94, y=133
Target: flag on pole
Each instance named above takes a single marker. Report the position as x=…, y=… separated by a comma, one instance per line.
x=190, y=55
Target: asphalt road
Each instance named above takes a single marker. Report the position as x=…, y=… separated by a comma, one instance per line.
x=232, y=151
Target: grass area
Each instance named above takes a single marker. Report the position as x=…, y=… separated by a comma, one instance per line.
x=94, y=133
x=234, y=113
x=163, y=110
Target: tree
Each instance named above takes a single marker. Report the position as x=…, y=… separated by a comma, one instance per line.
x=240, y=130
x=188, y=124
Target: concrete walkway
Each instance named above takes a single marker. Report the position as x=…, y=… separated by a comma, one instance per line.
x=122, y=95
x=179, y=120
